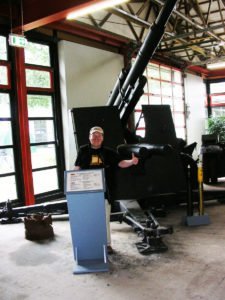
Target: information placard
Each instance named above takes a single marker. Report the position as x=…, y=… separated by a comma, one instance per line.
x=85, y=194
x=85, y=180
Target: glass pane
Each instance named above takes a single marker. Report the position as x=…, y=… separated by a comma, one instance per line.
x=143, y=100
x=166, y=88
x=6, y=161
x=140, y=132
x=154, y=86
x=39, y=106
x=5, y=133
x=177, y=76
x=167, y=101
x=146, y=88
x=41, y=131
x=37, y=54
x=155, y=100
x=178, y=105
x=3, y=49
x=179, y=120
x=153, y=70
x=138, y=119
x=218, y=111
x=8, y=189
x=180, y=133
x=220, y=99
x=218, y=87
x=3, y=75
x=4, y=106
x=36, y=78
x=45, y=181
x=165, y=73
x=177, y=90
x=43, y=156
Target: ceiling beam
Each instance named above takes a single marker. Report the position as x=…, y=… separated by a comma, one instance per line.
x=90, y=33
x=38, y=13
x=190, y=21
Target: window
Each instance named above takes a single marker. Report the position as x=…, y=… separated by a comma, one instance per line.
x=164, y=86
x=217, y=98
x=40, y=96
x=45, y=132
x=8, y=186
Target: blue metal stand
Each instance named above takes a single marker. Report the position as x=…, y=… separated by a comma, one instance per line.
x=88, y=227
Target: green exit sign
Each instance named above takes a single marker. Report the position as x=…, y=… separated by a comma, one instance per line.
x=17, y=40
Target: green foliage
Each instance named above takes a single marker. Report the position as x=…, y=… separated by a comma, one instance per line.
x=37, y=54
x=216, y=125
x=38, y=101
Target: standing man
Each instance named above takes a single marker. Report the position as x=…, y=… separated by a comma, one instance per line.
x=95, y=155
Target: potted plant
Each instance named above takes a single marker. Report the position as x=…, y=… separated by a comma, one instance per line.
x=216, y=125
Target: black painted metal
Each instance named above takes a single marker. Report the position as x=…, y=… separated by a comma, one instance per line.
x=145, y=53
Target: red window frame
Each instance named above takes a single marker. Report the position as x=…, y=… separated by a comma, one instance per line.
x=45, y=69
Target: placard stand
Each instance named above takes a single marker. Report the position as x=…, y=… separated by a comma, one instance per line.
x=86, y=207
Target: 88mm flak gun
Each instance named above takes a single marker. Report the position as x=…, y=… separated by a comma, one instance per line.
x=156, y=155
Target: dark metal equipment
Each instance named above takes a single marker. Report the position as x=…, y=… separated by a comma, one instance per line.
x=128, y=91
x=12, y=215
x=146, y=226
x=138, y=182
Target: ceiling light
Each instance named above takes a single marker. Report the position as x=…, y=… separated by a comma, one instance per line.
x=89, y=9
x=218, y=65
x=221, y=43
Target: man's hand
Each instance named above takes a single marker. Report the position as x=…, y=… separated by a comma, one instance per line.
x=126, y=163
x=134, y=159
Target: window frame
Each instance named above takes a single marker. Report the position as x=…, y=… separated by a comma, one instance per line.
x=54, y=91
x=45, y=69
x=209, y=105
x=160, y=95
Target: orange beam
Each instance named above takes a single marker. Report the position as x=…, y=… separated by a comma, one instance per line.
x=24, y=127
x=38, y=13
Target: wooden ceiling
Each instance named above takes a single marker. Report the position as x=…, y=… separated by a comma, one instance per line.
x=194, y=35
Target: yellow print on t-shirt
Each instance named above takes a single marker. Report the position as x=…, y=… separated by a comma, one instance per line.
x=96, y=160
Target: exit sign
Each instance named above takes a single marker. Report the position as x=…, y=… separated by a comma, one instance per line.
x=17, y=40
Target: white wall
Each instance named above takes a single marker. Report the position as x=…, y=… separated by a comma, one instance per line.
x=87, y=76
x=195, y=97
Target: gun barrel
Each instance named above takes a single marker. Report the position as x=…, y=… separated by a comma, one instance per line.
x=118, y=85
x=143, y=150
x=146, y=51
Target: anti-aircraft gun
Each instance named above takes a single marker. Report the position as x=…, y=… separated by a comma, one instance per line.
x=159, y=165
x=140, y=182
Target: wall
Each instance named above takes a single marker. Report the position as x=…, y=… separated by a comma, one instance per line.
x=195, y=97
x=87, y=76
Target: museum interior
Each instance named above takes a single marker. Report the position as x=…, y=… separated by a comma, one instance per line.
x=151, y=74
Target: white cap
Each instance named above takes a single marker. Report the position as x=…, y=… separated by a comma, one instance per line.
x=96, y=129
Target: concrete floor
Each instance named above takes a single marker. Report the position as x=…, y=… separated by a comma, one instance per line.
x=192, y=268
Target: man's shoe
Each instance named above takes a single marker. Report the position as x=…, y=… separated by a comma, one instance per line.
x=110, y=249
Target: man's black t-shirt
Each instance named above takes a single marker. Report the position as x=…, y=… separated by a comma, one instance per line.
x=104, y=158
x=89, y=158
